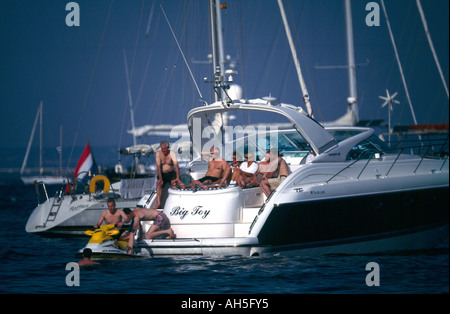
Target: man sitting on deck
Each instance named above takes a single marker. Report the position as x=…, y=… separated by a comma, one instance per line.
x=218, y=170
x=273, y=179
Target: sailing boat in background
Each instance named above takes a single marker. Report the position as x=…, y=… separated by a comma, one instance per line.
x=47, y=179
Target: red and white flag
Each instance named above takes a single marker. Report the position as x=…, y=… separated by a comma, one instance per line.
x=85, y=164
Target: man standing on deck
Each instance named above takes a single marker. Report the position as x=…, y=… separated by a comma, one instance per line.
x=168, y=170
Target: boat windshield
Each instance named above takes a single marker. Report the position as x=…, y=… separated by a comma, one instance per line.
x=289, y=143
x=368, y=148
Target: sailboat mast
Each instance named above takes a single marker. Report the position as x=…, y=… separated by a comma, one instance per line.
x=41, y=170
x=430, y=42
x=30, y=141
x=352, y=99
x=130, y=99
x=399, y=63
x=296, y=61
x=60, y=149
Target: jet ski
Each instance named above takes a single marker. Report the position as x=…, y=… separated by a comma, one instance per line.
x=103, y=245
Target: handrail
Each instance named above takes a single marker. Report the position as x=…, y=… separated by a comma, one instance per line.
x=370, y=158
x=38, y=194
x=445, y=159
x=346, y=167
x=396, y=158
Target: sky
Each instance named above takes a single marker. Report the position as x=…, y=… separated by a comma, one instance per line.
x=79, y=71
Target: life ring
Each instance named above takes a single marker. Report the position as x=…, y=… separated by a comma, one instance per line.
x=94, y=180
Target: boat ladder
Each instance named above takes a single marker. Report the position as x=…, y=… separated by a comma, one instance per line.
x=54, y=209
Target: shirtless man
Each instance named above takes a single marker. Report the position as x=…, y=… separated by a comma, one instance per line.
x=160, y=226
x=273, y=179
x=86, y=261
x=168, y=170
x=111, y=216
x=218, y=170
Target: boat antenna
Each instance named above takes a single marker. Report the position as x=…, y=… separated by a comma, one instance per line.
x=182, y=54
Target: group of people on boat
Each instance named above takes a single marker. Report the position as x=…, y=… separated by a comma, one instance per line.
x=268, y=174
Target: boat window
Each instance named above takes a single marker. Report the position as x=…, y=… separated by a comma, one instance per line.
x=298, y=140
x=290, y=143
x=381, y=145
x=363, y=150
x=368, y=148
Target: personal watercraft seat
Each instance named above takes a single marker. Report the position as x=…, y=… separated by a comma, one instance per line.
x=103, y=233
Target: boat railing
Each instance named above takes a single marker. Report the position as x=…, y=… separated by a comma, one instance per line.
x=429, y=153
x=342, y=170
x=426, y=146
x=38, y=186
x=436, y=148
x=42, y=192
x=395, y=161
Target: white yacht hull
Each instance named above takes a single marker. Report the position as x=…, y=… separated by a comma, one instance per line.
x=317, y=219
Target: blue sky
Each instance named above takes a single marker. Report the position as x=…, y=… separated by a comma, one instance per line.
x=79, y=73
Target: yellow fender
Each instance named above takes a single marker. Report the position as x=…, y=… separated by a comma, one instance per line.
x=94, y=180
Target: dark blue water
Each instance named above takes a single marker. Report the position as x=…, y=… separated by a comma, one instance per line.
x=31, y=264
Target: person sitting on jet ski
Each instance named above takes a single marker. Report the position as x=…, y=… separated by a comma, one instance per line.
x=111, y=216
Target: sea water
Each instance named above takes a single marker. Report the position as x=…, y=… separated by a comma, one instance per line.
x=34, y=264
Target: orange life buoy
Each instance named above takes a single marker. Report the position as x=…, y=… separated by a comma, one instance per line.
x=94, y=180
